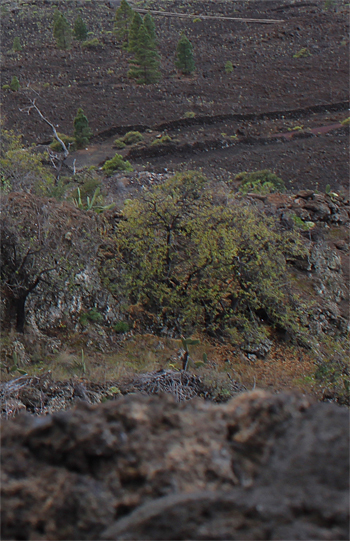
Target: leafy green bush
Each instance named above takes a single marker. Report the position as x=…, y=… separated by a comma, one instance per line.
x=303, y=53
x=91, y=43
x=121, y=327
x=132, y=137
x=119, y=143
x=196, y=263
x=68, y=141
x=16, y=47
x=92, y=315
x=6, y=87
x=14, y=85
x=189, y=114
x=116, y=164
x=345, y=122
x=264, y=181
x=228, y=67
x=161, y=140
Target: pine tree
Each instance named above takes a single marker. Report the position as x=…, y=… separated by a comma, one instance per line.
x=16, y=47
x=185, y=62
x=62, y=31
x=146, y=63
x=82, y=132
x=80, y=29
x=14, y=85
x=134, y=31
x=148, y=22
x=122, y=21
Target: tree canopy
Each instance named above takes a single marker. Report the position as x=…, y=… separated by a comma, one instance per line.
x=195, y=262
x=184, y=54
x=145, y=66
x=82, y=131
x=122, y=21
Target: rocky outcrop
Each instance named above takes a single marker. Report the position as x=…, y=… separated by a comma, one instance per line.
x=259, y=467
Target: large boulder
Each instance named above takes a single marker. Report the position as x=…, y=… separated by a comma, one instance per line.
x=259, y=467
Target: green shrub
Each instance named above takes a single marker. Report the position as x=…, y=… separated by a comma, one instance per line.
x=82, y=131
x=119, y=143
x=121, y=327
x=345, y=122
x=80, y=30
x=189, y=114
x=228, y=67
x=68, y=141
x=116, y=164
x=16, y=47
x=6, y=87
x=91, y=43
x=161, y=140
x=92, y=315
x=14, y=85
x=132, y=137
x=264, y=181
x=303, y=53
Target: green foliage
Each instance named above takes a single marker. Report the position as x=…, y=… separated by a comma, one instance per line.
x=184, y=54
x=80, y=30
x=303, y=53
x=119, y=143
x=68, y=141
x=116, y=164
x=82, y=132
x=161, y=140
x=150, y=26
x=194, y=262
x=264, y=181
x=16, y=47
x=92, y=316
x=186, y=342
x=121, y=327
x=145, y=66
x=122, y=21
x=346, y=121
x=6, y=87
x=189, y=114
x=20, y=168
x=305, y=226
x=91, y=43
x=134, y=31
x=332, y=374
x=62, y=31
x=132, y=137
x=93, y=203
x=228, y=67
x=14, y=85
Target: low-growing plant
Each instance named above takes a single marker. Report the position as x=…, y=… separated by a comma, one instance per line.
x=119, y=143
x=92, y=316
x=14, y=85
x=116, y=164
x=303, y=53
x=228, y=67
x=346, y=121
x=264, y=181
x=161, y=140
x=68, y=140
x=121, y=327
x=6, y=87
x=132, y=137
x=91, y=43
x=189, y=114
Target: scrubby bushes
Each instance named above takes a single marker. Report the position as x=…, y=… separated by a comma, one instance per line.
x=264, y=181
x=116, y=164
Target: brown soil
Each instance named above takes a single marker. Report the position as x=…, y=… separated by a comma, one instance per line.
x=266, y=78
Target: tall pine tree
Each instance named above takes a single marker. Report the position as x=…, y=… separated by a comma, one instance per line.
x=184, y=54
x=62, y=31
x=150, y=26
x=82, y=132
x=134, y=31
x=80, y=29
x=122, y=21
x=145, y=66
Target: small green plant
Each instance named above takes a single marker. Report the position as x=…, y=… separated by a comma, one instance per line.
x=303, y=53
x=68, y=141
x=228, y=67
x=161, y=140
x=132, y=137
x=92, y=203
x=296, y=128
x=116, y=164
x=91, y=43
x=80, y=30
x=46, y=85
x=298, y=222
x=264, y=181
x=82, y=131
x=16, y=47
x=14, y=85
x=6, y=87
x=346, y=121
x=119, y=143
x=121, y=327
x=189, y=114
x=197, y=20
x=92, y=316
x=186, y=342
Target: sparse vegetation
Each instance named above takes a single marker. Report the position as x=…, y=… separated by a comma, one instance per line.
x=14, y=85
x=184, y=56
x=264, y=181
x=116, y=164
x=82, y=131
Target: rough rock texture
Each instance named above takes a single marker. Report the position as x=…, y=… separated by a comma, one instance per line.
x=259, y=467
